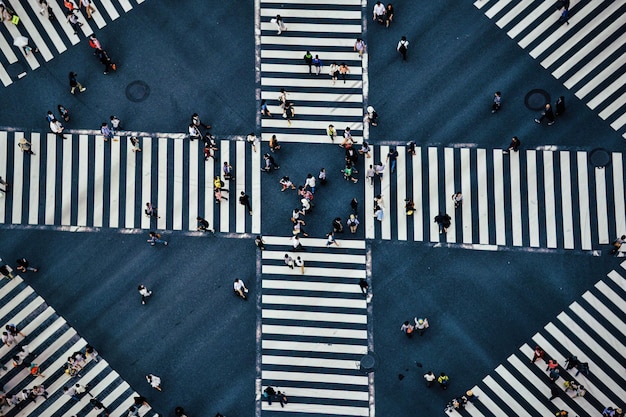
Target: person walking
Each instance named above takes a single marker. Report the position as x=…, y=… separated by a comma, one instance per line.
x=57, y=128
x=25, y=146
x=227, y=170
x=430, y=378
x=89, y=9
x=278, y=20
x=403, y=46
x=344, y=70
x=421, y=324
x=559, y=106
x=538, y=353
x=194, y=132
x=364, y=286
x=331, y=132
x=617, y=244
x=156, y=238
x=379, y=12
x=244, y=200
x=116, y=124
x=269, y=393
x=497, y=102
x=72, y=19
x=407, y=328
x=547, y=114
x=296, y=244
x=203, y=225
x=105, y=60
x=458, y=199
x=274, y=145
x=23, y=265
x=106, y=131
x=513, y=146
x=359, y=47
x=330, y=239
x=95, y=44
x=65, y=114
x=154, y=381
x=444, y=221
x=270, y=163
x=151, y=211
x=393, y=156
x=443, y=380
x=389, y=15
x=308, y=60
x=240, y=289
x=134, y=141
x=352, y=223
x=144, y=292
x=74, y=84
x=253, y=140
x=333, y=71
x=5, y=185
x=289, y=261
x=317, y=63
x=289, y=112
x=258, y=241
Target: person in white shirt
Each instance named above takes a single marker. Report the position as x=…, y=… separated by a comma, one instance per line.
x=310, y=183
x=403, y=46
x=240, y=288
x=154, y=381
x=144, y=292
x=379, y=12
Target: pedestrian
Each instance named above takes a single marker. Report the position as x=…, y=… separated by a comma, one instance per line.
x=333, y=71
x=115, y=123
x=608, y=412
x=270, y=163
x=253, y=140
x=409, y=207
x=286, y=183
x=352, y=223
x=443, y=380
x=580, y=392
x=402, y=47
x=322, y=176
x=154, y=381
x=278, y=20
x=389, y=14
x=537, y=354
x=379, y=213
x=35, y=370
x=365, y=150
x=39, y=391
x=514, y=145
x=330, y=239
x=407, y=328
x=347, y=138
x=552, y=364
x=310, y=183
x=559, y=106
x=244, y=200
x=65, y=114
x=105, y=60
x=372, y=116
x=497, y=102
x=554, y=375
x=258, y=241
x=265, y=111
x=91, y=353
x=269, y=393
x=156, y=238
x=282, y=97
x=318, y=64
x=71, y=392
x=379, y=168
x=444, y=221
x=282, y=398
x=240, y=289
x=217, y=182
x=582, y=367
x=457, y=198
x=74, y=84
x=564, y=18
x=344, y=70
x=194, y=132
x=8, y=339
x=5, y=184
x=68, y=5
x=151, y=211
x=14, y=331
x=421, y=324
x=393, y=156
x=289, y=261
x=203, y=225
x=369, y=174
x=95, y=44
x=106, y=131
x=571, y=362
x=25, y=146
x=179, y=412
x=547, y=113
x=72, y=19
x=207, y=151
x=364, y=286
x=135, y=142
x=23, y=265
x=359, y=47
x=6, y=272
x=89, y=9
x=308, y=60
x=195, y=120
x=331, y=132
x=144, y=292
x=56, y=127
x=429, y=377
x=289, y=112
x=217, y=193
x=379, y=12
x=617, y=244
x=348, y=171
x=274, y=145
x=227, y=169
x=296, y=244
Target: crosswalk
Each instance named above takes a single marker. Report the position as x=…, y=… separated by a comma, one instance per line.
x=532, y=198
x=51, y=37
x=587, y=53
x=325, y=28
x=50, y=341
x=314, y=328
x=593, y=329
x=83, y=181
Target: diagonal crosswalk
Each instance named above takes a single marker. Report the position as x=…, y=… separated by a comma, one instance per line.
x=531, y=198
x=50, y=341
x=50, y=36
x=327, y=29
x=592, y=329
x=314, y=328
x=587, y=52
x=84, y=181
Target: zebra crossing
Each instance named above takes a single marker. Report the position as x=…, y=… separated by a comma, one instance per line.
x=593, y=329
x=314, y=328
x=325, y=28
x=51, y=37
x=84, y=181
x=51, y=341
x=550, y=199
x=587, y=52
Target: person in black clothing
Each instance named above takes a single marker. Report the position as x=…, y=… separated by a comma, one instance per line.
x=74, y=84
x=444, y=221
x=560, y=106
x=269, y=393
x=337, y=225
x=23, y=265
x=514, y=145
x=106, y=61
x=547, y=113
x=258, y=241
x=244, y=200
x=203, y=224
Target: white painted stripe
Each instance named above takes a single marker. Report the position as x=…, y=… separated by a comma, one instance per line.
x=25, y=312
x=338, y=410
x=583, y=196
x=33, y=34
x=129, y=214
x=7, y=51
x=533, y=203
x=317, y=257
x=108, y=6
x=162, y=185
x=311, y=286
x=566, y=202
x=347, y=42
x=17, y=187
x=312, y=14
x=83, y=180
x=488, y=402
x=418, y=216
x=581, y=33
x=327, y=55
x=513, y=13
x=472, y=411
x=98, y=17
x=483, y=205
x=323, y=97
x=85, y=379
x=314, y=301
x=594, y=63
x=15, y=302
x=466, y=190
x=302, y=69
x=550, y=204
x=30, y=59
x=33, y=198
x=146, y=179
x=448, y=156
x=314, y=28
x=224, y=209
x=480, y=3
x=506, y=397
x=113, y=396
x=516, y=199
x=209, y=203
x=240, y=167
x=325, y=394
x=498, y=193
x=3, y=173
x=314, y=316
x=605, y=311
x=497, y=8
x=255, y=190
x=527, y=21
x=194, y=177
x=62, y=19
x=314, y=331
x=309, y=362
x=600, y=77
x=323, y=81
x=601, y=205
x=369, y=221
x=51, y=161
x=314, y=271
x=315, y=377
x=177, y=186
x=609, y=293
x=308, y=124
x=619, y=123
x=618, y=193
x=523, y=391
x=335, y=348
x=114, y=188
x=320, y=138
x=4, y=75
x=617, y=104
x=312, y=242
x=401, y=192
x=125, y=5
x=66, y=184
x=598, y=328
x=98, y=184
x=385, y=191
x=10, y=286
x=433, y=192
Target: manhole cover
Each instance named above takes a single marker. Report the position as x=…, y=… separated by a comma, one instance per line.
x=368, y=363
x=536, y=99
x=137, y=91
x=599, y=158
